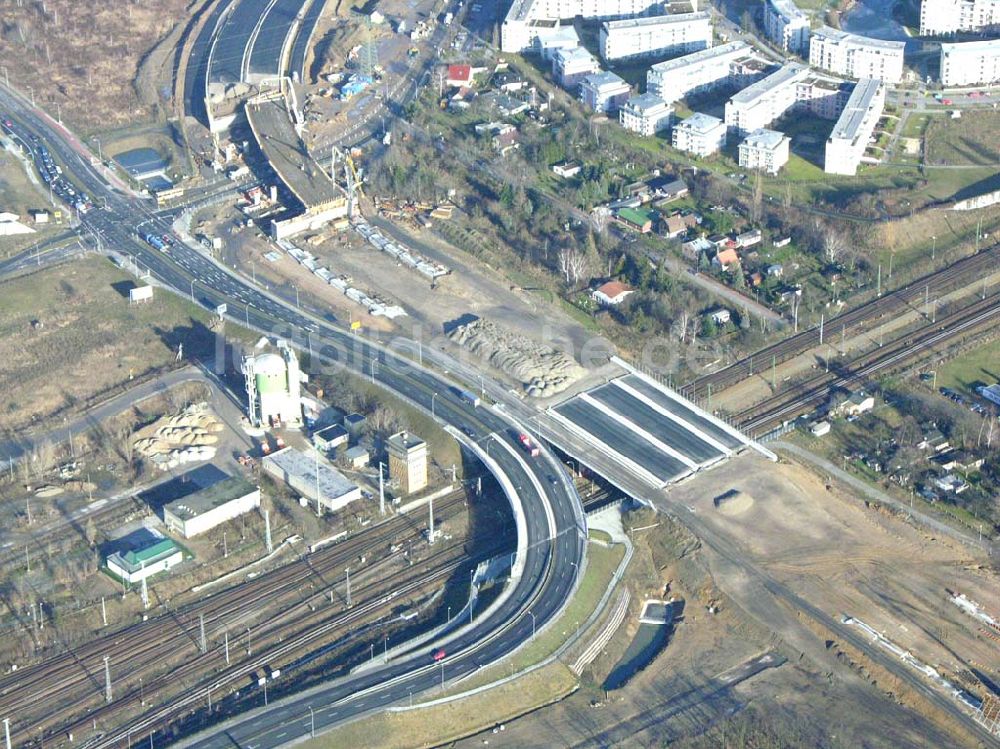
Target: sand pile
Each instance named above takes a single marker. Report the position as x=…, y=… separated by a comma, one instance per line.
x=734, y=502
x=541, y=369
x=187, y=437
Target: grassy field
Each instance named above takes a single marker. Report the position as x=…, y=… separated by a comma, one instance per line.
x=18, y=195
x=434, y=726
x=68, y=334
x=979, y=366
x=969, y=141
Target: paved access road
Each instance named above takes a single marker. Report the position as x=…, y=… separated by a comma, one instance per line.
x=553, y=523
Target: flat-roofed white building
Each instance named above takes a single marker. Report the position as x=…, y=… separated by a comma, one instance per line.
x=604, y=91
x=313, y=478
x=761, y=103
x=700, y=134
x=766, y=150
x=786, y=25
x=570, y=66
x=646, y=114
x=656, y=35
x=847, y=143
x=939, y=17
x=206, y=508
x=970, y=63
x=696, y=72
x=856, y=56
x=529, y=22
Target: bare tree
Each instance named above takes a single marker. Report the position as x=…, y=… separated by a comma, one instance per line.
x=757, y=208
x=680, y=326
x=834, y=246
x=572, y=264
x=599, y=218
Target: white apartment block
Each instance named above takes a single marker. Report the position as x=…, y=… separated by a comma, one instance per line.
x=856, y=56
x=766, y=150
x=761, y=103
x=786, y=25
x=656, y=36
x=646, y=114
x=847, y=143
x=700, y=134
x=694, y=73
x=970, y=63
x=939, y=17
x=604, y=92
x=528, y=22
x=570, y=66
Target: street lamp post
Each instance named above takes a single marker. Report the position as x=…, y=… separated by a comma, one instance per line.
x=312, y=723
x=435, y=395
x=192, y=289
x=532, y=624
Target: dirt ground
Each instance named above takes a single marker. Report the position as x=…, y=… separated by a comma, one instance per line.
x=846, y=558
x=91, y=55
x=833, y=552
x=468, y=290
x=68, y=334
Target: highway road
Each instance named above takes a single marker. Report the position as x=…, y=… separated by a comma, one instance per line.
x=553, y=523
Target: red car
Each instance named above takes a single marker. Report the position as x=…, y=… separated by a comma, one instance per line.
x=529, y=447
x=438, y=655
x=946, y=102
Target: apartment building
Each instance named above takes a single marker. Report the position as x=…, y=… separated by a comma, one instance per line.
x=856, y=56
x=695, y=72
x=766, y=150
x=786, y=25
x=654, y=36
x=646, y=114
x=700, y=134
x=970, y=63
x=761, y=103
x=847, y=143
x=940, y=17
x=570, y=66
x=604, y=91
x=529, y=22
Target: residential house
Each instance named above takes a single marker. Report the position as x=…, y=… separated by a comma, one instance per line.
x=853, y=403
x=611, y=294
x=567, y=169
x=700, y=134
x=950, y=483
x=696, y=247
x=720, y=316
x=775, y=271
x=646, y=114
x=604, y=92
x=724, y=259
x=636, y=218
x=674, y=226
x=749, y=238
x=933, y=439
x=459, y=75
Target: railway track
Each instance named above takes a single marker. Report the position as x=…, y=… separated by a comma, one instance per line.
x=199, y=678
x=805, y=396
x=76, y=676
x=912, y=296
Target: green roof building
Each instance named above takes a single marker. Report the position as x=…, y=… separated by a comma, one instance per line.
x=159, y=555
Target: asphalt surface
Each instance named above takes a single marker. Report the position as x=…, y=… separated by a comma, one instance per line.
x=553, y=554
x=265, y=55
x=620, y=439
x=196, y=73
x=235, y=34
x=666, y=430
x=681, y=411
x=300, y=47
x=287, y=154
